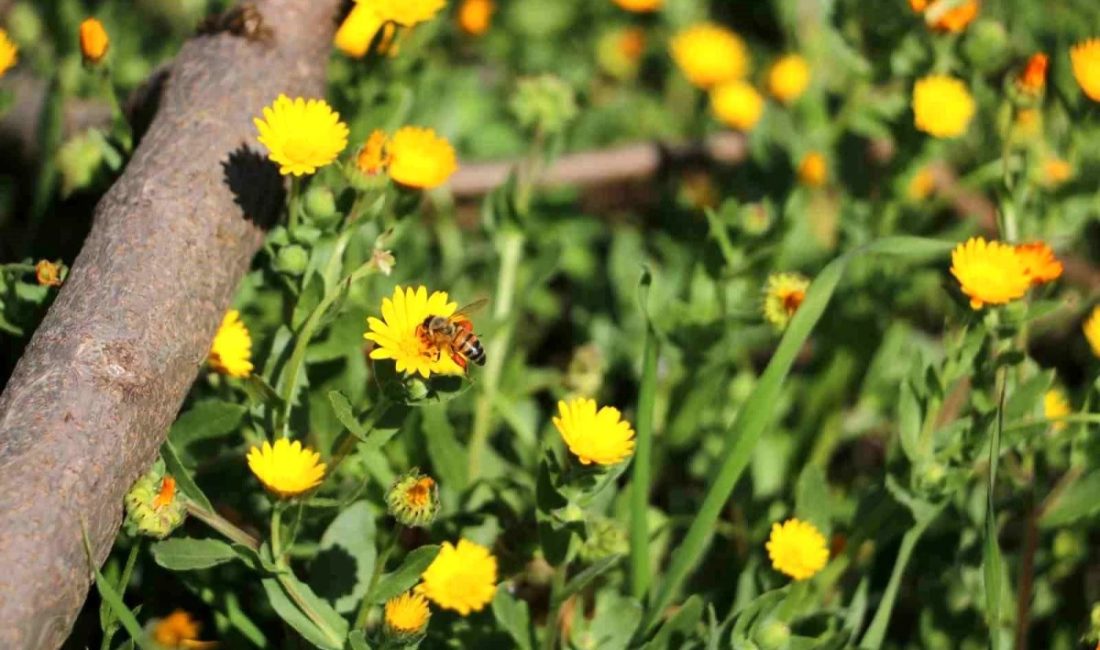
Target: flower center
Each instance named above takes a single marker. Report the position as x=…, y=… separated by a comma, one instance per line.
x=166, y=494
x=300, y=149
x=792, y=300
x=419, y=494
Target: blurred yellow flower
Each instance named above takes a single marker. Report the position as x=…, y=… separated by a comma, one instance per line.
x=374, y=155
x=301, y=135
x=47, y=273
x=947, y=15
x=922, y=184
x=594, y=436
x=179, y=630
x=620, y=50
x=640, y=6
x=1086, y=67
x=419, y=158
x=737, y=104
x=1056, y=406
x=359, y=29
x=813, y=170
x=231, y=351
x=1033, y=78
x=783, y=295
x=797, y=549
x=475, y=16
x=1056, y=171
x=710, y=54
x=1040, y=264
x=407, y=614
x=1092, y=330
x=461, y=578
x=942, y=106
x=398, y=335
x=93, y=41
x=989, y=272
x=788, y=78
x=8, y=53
x=286, y=468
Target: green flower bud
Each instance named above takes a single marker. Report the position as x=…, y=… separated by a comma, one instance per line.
x=986, y=45
x=931, y=476
x=545, y=103
x=413, y=499
x=292, y=260
x=321, y=205
x=773, y=635
x=605, y=539
x=153, y=508
x=307, y=235
x=1068, y=545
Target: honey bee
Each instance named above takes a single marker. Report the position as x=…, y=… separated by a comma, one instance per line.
x=455, y=334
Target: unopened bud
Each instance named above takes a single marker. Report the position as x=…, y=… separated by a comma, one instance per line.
x=94, y=41
x=413, y=500
x=153, y=506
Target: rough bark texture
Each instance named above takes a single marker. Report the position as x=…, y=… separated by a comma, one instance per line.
x=92, y=398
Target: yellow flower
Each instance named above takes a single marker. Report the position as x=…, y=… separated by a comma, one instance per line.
x=301, y=135
x=179, y=630
x=1056, y=171
x=788, y=78
x=286, y=468
x=419, y=158
x=1092, y=330
x=640, y=6
x=231, y=352
x=942, y=106
x=594, y=436
x=1034, y=76
x=989, y=272
x=475, y=16
x=1040, y=264
x=710, y=54
x=8, y=53
x=1056, y=407
x=374, y=155
x=737, y=104
x=1086, y=67
x=398, y=336
x=783, y=295
x=407, y=614
x=813, y=170
x=368, y=16
x=797, y=549
x=922, y=184
x=93, y=41
x=47, y=273
x=461, y=578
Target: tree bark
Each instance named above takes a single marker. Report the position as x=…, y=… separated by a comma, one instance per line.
x=103, y=377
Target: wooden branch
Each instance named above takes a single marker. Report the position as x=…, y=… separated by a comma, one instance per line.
x=90, y=402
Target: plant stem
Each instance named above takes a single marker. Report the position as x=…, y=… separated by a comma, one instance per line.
x=553, y=622
x=223, y=526
x=639, y=490
x=295, y=204
x=511, y=250
x=876, y=631
x=379, y=567
x=276, y=533
x=292, y=590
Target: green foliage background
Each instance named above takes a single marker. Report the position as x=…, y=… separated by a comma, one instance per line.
x=906, y=426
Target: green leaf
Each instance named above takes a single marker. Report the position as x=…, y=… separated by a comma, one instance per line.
x=342, y=408
x=405, y=576
x=679, y=627
x=186, y=554
x=205, y=420
x=447, y=455
x=183, y=478
x=512, y=615
x=758, y=411
x=341, y=569
x=1077, y=501
x=312, y=617
x=358, y=640
x=617, y=618
x=812, y=498
x=585, y=577
x=909, y=421
x=113, y=599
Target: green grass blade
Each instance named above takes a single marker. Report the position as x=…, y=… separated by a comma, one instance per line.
x=113, y=598
x=756, y=414
x=639, y=491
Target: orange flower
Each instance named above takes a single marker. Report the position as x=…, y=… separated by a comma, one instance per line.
x=1034, y=76
x=93, y=40
x=47, y=273
x=1040, y=264
x=167, y=492
x=941, y=16
x=475, y=16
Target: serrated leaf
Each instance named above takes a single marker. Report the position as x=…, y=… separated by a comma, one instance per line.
x=341, y=569
x=341, y=407
x=187, y=554
x=405, y=576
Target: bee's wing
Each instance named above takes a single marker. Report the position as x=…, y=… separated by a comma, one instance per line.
x=463, y=313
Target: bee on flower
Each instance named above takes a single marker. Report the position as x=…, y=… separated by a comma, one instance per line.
x=425, y=334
